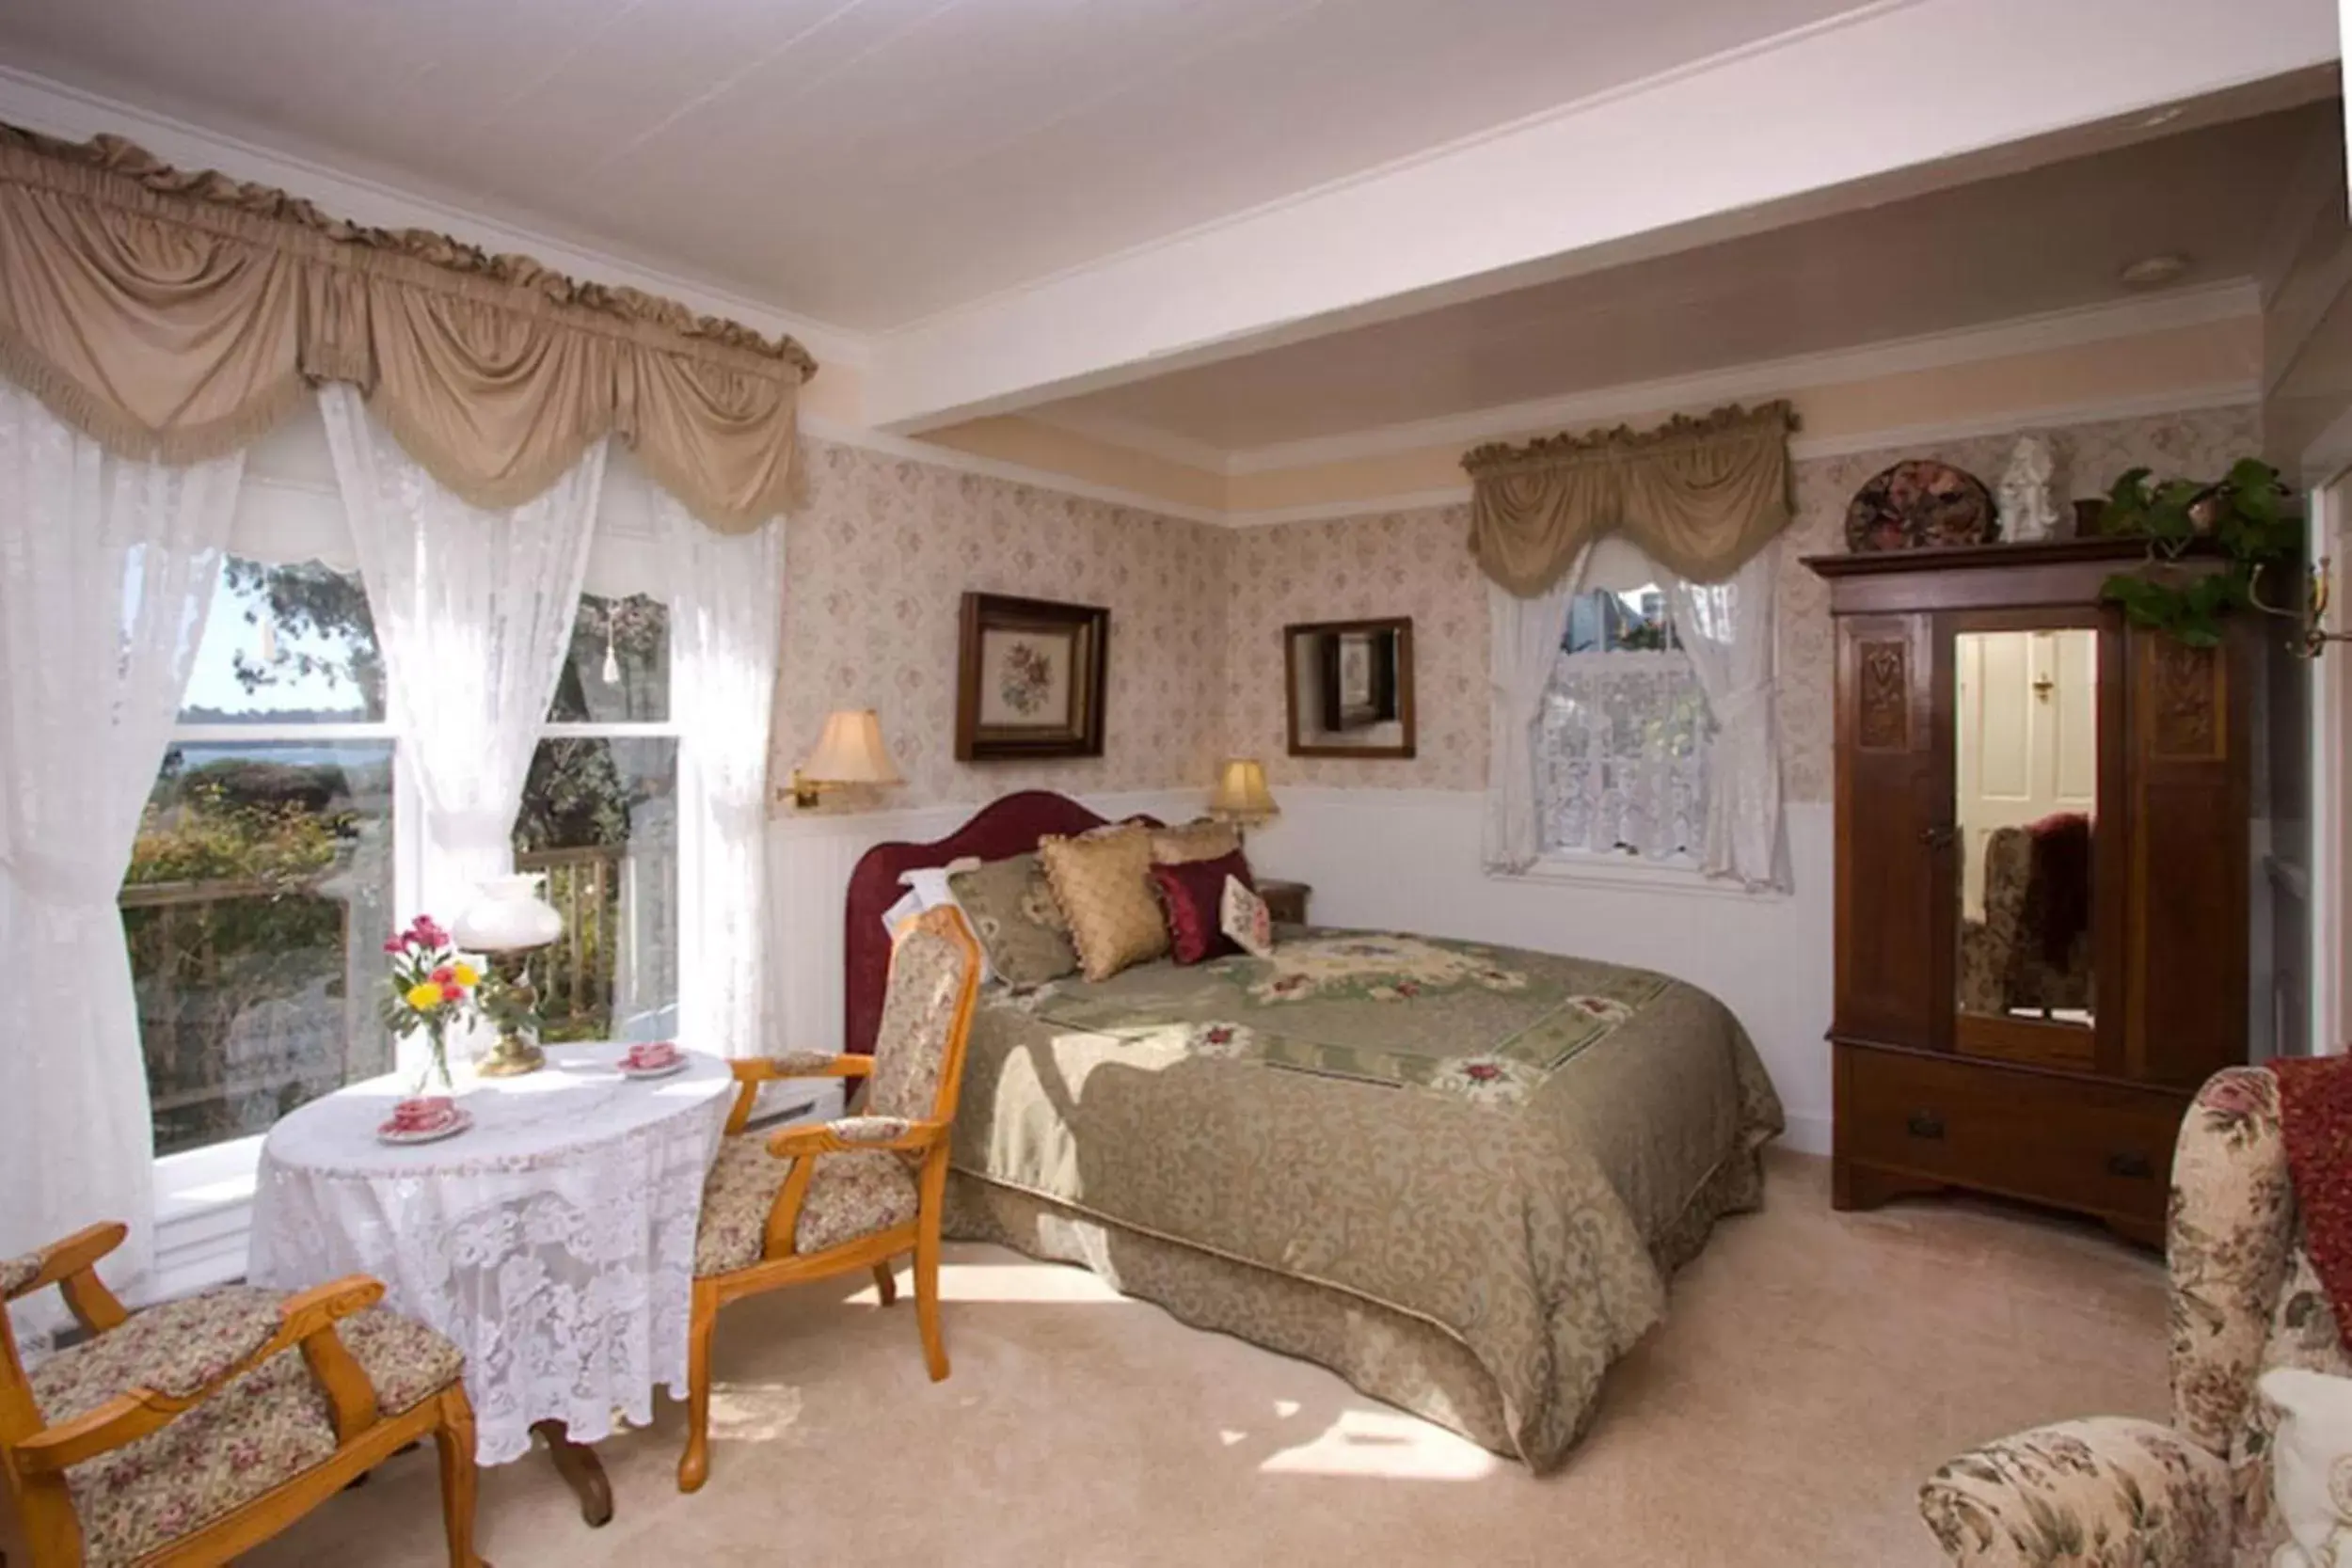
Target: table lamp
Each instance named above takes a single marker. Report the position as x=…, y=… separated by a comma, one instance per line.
x=850, y=752
x=506, y=924
x=1240, y=796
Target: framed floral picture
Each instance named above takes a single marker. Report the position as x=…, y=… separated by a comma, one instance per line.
x=1031, y=678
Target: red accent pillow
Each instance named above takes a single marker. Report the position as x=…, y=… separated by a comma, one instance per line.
x=1190, y=895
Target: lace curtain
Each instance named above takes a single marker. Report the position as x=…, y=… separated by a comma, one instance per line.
x=1726, y=631
x=106, y=570
x=473, y=609
x=1621, y=755
x=1523, y=640
x=726, y=619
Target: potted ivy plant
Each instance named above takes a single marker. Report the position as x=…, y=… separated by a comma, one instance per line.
x=2243, y=518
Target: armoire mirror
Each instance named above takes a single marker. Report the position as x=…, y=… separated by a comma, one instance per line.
x=1350, y=688
x=2026, y=783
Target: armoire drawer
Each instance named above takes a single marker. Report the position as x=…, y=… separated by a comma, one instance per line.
x=2081, y=1144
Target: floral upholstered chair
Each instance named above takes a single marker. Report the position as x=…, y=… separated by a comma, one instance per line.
x=196, y=1430
x=2110, y=1492
x=807, y=1202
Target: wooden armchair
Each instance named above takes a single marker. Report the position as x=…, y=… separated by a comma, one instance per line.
x=193, y=1431
x=807, y=1202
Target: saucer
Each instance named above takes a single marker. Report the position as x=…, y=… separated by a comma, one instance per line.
x=662, y=1071
x=463, y=1119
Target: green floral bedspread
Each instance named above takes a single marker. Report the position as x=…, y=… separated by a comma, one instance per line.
x=1500, y=1143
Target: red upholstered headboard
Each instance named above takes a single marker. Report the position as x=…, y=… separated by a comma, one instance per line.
x=1003, y=828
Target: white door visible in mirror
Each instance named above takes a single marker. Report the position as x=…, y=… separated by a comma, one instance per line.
x=2027, y=793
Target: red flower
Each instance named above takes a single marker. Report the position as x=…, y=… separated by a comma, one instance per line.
x=452, y=993
x=395, y=945
x=424, y=931
x=442, y=976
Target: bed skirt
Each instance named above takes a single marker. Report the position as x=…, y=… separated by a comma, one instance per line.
x=1410, y=1362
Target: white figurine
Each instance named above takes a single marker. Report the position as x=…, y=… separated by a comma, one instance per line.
x=2027, y=512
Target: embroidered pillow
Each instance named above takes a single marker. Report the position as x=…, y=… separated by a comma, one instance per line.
x=1102, y=882
x=1012, y=914
x=1201, y=840
x=1193, y=892
x=1242, y=916
x=2311, y=1464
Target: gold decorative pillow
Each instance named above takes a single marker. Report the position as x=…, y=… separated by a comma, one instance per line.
x=1201, y=839
x=1104, y=885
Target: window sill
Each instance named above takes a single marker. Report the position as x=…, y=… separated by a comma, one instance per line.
x=1627, y=874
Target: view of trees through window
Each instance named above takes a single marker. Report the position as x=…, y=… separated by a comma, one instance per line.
x=260, y=887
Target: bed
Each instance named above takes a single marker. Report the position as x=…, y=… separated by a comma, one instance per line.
x=1457, y=1174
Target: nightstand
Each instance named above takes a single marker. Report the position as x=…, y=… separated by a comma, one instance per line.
x=1285, y=901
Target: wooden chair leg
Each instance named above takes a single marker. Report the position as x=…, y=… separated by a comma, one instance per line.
x=693, y=1468
x=927, y=1291
x=455, y=1439
x=886, y=1282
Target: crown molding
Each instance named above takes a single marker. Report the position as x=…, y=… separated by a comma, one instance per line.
x=2229, y=301
x=914, y=450
x=59, y=109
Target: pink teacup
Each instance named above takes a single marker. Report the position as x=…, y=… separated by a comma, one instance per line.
x=645, y=1057
x=428, y=1115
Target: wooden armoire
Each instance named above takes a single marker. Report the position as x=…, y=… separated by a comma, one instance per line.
x=2024, y=1007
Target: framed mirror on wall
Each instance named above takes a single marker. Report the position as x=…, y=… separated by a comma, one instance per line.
x=1349, y=688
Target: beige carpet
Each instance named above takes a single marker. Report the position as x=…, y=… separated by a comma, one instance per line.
x=1815, y=1367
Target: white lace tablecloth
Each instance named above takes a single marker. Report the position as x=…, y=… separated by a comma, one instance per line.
x=553, y=1240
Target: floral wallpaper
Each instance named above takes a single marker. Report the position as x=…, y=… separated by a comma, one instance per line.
x=882, y=553
x=876, y=563
x=1416, y=564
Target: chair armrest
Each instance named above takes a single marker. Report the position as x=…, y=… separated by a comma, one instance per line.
x=851, y=1134
x=72, y=1265
x=2081, y=1494
x=307, y=1320
x=752, y=1071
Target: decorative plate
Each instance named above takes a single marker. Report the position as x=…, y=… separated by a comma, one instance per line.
x=1917, y=504
x=456, y=1124
x=662, y=1071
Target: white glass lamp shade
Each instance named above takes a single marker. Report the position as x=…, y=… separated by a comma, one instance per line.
x=508, y=916
x=1241, y=793
x=851, y=752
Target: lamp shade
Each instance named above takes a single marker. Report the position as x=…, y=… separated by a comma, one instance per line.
x=852, y=751
x=1241, y=793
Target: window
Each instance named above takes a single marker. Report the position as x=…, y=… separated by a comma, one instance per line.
x=1621, y=751
x=600, y=818
x=259, y=892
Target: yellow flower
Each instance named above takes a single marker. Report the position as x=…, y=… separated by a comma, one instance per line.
x=468, y=975
x=424, y=996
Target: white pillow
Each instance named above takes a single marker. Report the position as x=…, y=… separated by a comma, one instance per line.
x=2311, y=1467
x=928, y=883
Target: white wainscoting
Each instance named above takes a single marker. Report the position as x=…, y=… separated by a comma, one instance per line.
x=1404, y=859
x=1409, y=860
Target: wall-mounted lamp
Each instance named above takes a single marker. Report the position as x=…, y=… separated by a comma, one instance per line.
x=850, y=752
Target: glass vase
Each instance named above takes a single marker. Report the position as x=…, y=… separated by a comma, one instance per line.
x=432, y=1076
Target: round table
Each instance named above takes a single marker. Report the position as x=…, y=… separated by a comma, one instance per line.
x=553, y=1240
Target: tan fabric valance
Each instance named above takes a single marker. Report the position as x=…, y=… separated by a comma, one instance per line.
x=1698, y=495
x=179, y=315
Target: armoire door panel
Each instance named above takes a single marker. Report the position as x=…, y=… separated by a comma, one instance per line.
x=1892, y=824
x=2187, y=907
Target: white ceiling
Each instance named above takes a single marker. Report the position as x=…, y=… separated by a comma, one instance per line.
x=868, y=163
x=2050, y=238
